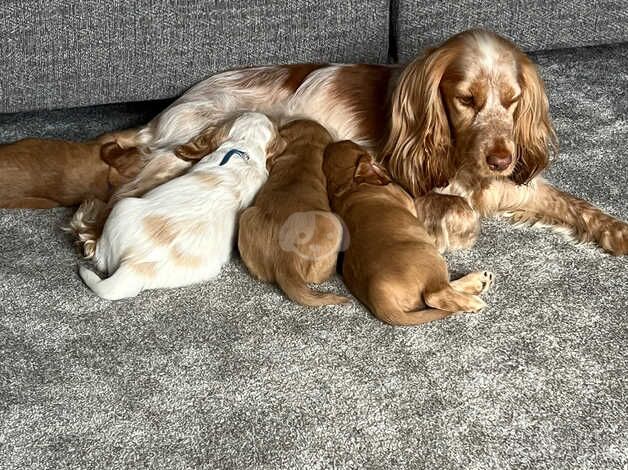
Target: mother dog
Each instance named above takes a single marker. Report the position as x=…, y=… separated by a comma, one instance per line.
x=464, y=128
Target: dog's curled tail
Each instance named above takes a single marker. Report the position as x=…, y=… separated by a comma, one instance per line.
x=120, y=285
x=297, y=290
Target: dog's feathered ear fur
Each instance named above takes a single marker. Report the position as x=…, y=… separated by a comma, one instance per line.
x=205, y=143
x=535, y=137
x=276, y=147
x=127, y=162
x=417, y=152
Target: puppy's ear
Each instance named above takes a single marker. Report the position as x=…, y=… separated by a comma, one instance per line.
x=276, y=147
x=127, y=162
x=205, y=143
x=370, y=172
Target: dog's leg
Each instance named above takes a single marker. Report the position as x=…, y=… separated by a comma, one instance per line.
x=413, y=318
x=540, y=202
x=474, y=283
x=452, y=300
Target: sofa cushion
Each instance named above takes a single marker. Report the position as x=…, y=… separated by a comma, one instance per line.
x=533, y=24
x=62, y=53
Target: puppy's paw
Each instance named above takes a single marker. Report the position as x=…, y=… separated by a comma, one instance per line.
x=474, y=283
x=486, y=280
x=476, y=304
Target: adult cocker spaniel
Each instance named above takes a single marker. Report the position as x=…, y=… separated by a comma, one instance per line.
x=464, y=128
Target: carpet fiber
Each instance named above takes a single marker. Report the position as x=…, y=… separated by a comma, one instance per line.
x=230, y=374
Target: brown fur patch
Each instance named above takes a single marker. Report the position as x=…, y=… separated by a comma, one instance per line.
x=365, y=89
x=298, y=73
x=160, y=229
x=185, y=260
x=145, y=268
x=208, y=179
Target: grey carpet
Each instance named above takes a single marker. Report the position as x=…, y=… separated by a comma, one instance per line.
x=231, y=375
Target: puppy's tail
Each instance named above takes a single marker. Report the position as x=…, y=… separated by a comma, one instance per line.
x=450, y=300
x=120, y=285
x=297, y=290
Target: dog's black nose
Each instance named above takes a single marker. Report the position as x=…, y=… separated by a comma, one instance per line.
x=499, y=161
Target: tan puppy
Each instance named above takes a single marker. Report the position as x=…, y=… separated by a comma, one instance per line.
x=50, y=173
x=392, y=265
x=289, y=236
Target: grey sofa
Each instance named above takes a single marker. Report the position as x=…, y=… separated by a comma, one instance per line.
x=229, y=374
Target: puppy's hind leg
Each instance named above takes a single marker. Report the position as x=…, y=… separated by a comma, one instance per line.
x=474, y=283
x=412, y=318
x=450, y=300
x=120, y=285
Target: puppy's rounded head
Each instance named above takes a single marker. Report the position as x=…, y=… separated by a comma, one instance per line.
x=346, y=163
x=305, y=129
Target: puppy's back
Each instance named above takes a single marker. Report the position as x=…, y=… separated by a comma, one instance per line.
x=290, y=235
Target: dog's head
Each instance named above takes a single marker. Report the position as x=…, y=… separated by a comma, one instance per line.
x=474, y=105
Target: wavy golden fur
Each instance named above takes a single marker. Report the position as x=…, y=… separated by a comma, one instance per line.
x=426, y=146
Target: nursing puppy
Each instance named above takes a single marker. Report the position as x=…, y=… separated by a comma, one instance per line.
x=289, y=236
x=391, y=264
x=182, y=232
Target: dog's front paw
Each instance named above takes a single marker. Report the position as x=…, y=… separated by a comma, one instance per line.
x=614, y=238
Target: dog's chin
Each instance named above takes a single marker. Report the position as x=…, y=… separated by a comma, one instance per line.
x=505, y=173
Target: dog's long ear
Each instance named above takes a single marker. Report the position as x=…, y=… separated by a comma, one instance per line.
x=369, y=171
x=205, y=143
x=276, y=147
x=417, y=152
x=535, y=137
x=127, y=162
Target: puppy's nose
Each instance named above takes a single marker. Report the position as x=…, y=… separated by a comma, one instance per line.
x=499, y=160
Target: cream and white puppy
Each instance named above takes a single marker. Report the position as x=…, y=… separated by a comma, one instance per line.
x=183, y=231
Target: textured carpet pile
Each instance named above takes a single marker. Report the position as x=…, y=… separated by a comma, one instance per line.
x=230, y=374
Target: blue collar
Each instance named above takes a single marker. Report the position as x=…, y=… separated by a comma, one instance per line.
x=231, y=153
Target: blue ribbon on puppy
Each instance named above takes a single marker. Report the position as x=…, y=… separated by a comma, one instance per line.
x=231, y=153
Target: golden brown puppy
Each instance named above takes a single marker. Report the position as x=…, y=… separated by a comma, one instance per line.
x=46, y=173
x=391, y=264
x=289, y=236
